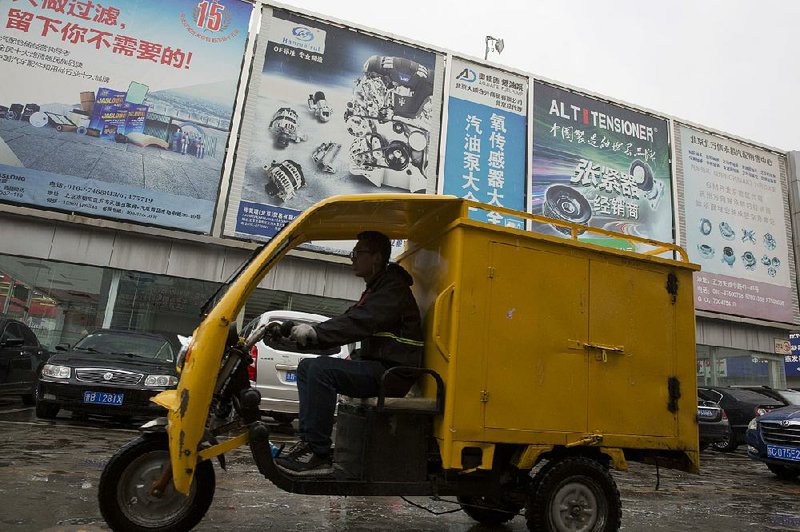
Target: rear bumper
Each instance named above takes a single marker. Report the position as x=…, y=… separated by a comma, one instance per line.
x=712, y=432
x=136, y=401
x=284, y=406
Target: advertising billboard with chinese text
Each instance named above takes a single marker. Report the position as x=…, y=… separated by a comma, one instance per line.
x=119, y=109
x=487, y=133
x=600, y=164
x=735, y=201
x=331, y=111
x=792, y=361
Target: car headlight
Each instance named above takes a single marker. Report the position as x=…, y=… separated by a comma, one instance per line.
x=56, y=372
x=161, y=380
x=753, y=425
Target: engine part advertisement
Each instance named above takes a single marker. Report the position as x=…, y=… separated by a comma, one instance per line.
x=486, y=140
x=601, y=165
x=331, y=111
x=736, y=198
x=119, y=109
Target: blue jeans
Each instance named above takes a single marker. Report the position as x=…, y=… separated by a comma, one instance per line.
x=318, y=381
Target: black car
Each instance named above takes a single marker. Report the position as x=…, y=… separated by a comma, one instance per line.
x=108, y=372
x=712, y=422
x=21, y=358
x=741, y=405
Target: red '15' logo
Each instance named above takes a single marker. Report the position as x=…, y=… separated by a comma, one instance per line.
x=209, y=15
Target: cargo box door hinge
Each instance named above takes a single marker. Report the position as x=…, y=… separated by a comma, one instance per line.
x=484, y=396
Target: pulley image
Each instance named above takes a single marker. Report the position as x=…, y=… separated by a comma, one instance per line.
x=643, y=177
x=727, y=256
x=726, y=231
x=284, y=179
x=567, y=204
x=749, y=260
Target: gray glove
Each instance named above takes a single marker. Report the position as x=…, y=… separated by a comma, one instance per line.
x=303, y=334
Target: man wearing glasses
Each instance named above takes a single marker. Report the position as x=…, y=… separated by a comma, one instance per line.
x=386, y=321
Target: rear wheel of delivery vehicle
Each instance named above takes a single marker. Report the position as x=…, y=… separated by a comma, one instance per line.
x=125, y=491
x=783, y=472
x=574, y=493
x=490, y=511
x=726, y=445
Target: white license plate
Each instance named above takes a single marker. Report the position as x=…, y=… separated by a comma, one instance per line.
x=291, y=376
x=103, y=398
x=783, y=453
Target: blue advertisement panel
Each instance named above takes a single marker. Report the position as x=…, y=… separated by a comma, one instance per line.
x=486, y=140
x=330, y=111
x=119, y=109
x=600, y=164
x=792, y=361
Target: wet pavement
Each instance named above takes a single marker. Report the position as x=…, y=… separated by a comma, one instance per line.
x=49, y=472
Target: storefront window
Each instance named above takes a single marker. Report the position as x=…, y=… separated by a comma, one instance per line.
x=62, y=302
x=722, y=366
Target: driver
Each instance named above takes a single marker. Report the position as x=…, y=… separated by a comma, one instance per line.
x=386, y=321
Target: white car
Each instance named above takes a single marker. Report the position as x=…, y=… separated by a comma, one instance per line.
x=275, y=373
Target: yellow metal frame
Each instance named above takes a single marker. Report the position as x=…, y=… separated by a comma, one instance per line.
x=417, y=218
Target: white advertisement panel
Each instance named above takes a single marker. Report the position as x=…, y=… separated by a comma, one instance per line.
x=331, y=111
x=735, y=226
x=119, y=109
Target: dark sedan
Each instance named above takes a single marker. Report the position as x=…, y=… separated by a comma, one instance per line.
x=774, y=439
x=713, y=424
x=108, y=372
x=741, y=405
x=21, y=357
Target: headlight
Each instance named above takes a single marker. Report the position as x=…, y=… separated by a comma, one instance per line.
x=161, y=380
x=56, y=372
x=753, y=425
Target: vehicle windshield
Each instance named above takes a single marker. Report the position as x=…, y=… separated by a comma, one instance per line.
x=148, y=347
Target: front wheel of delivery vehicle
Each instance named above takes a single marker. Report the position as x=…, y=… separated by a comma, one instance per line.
x=490, y=511
x=574, y=493
x=126, y=498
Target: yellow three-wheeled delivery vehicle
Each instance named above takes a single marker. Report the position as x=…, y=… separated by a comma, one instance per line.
x=538, y=350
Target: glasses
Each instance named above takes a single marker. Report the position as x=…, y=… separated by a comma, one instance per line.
x=355, y=252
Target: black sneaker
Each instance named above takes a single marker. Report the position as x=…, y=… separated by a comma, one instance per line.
x=300, y=460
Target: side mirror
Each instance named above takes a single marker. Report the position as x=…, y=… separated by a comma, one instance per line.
x=12, y=342
x=63, y=347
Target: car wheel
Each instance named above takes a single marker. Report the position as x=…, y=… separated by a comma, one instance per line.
x=47, y=410
x=489, y=511
x=28, y=399
x=783, y=472
x=726, y=445
x=126, y=499
x=574, y=493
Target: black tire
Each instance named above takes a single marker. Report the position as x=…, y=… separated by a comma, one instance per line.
x=125, y=483
x=47, y=410
x=784, y=472
x=489, y=511
x=727, y=445
x=28, y=399
x=574, y=493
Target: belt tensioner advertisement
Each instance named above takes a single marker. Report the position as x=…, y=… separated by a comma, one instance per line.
x=119, y=109
x=735, y=202
x=601, y=165
x=331, y=111
x=486, y=140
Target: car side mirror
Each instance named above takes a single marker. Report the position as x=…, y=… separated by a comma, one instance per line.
x=12, y=342
x=62, y=347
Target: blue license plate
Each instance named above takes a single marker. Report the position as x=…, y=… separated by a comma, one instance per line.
x=706, y=414
x=103, y=398
x=783, y=453
x=291, y=376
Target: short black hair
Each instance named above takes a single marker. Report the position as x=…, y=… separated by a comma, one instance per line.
x=377, y=243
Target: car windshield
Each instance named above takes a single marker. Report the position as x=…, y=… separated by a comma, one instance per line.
x=792, y=396
x=150, y=347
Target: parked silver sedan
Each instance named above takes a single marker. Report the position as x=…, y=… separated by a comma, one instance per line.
x=274, y=374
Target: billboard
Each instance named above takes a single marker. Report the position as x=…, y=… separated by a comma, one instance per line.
x=487, y=133
x=331, y=111
x=119, y=109
x=736, y=226
x=792, y=360
x=600, y=164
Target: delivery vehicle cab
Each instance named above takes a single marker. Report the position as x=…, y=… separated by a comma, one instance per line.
x=534, y=345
